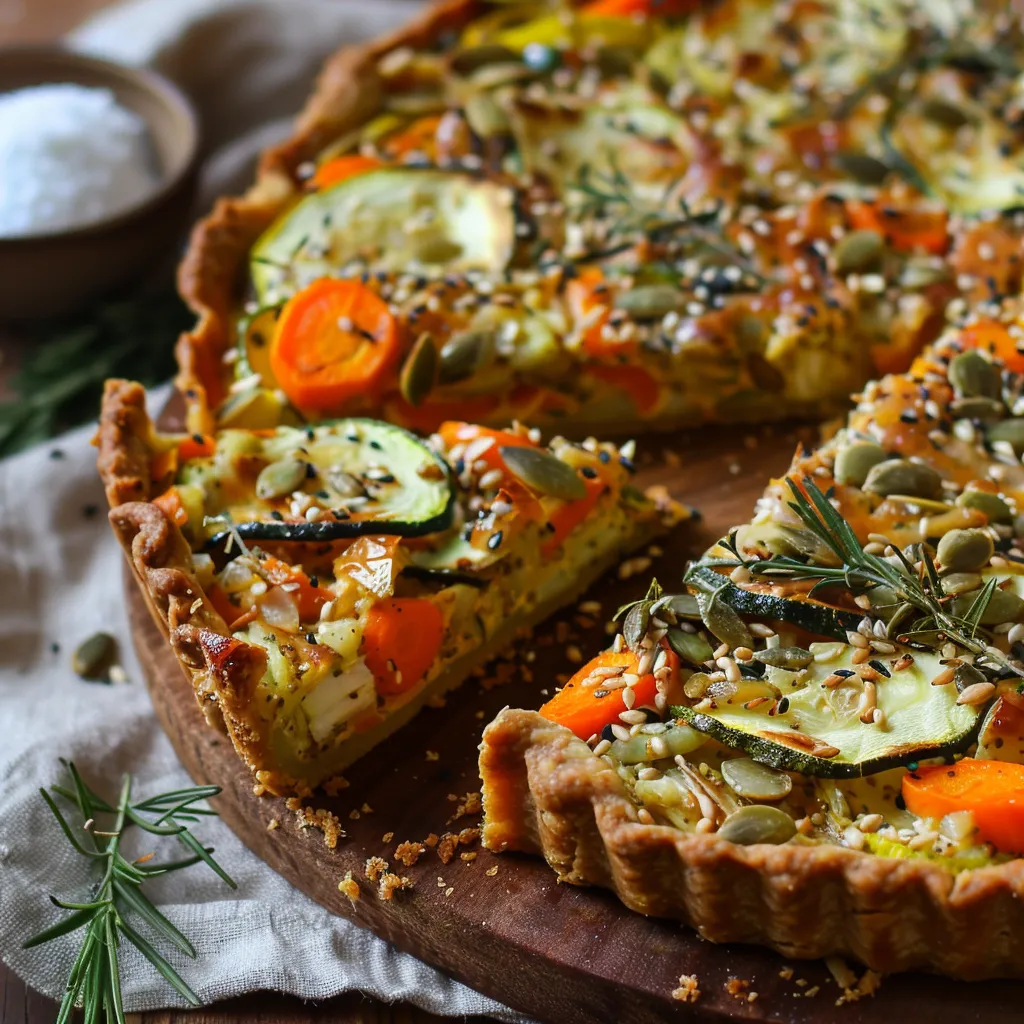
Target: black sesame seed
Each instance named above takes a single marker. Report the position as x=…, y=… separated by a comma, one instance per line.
x=607, y=734
x=589, y=472
x=314, y=581
x=376, y=445
x=879, y=667
x=604, y=457
x=494, y=541
x=274, y=514
x=311, y=638
x=845, y=673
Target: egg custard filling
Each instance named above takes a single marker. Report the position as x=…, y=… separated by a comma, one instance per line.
x=847, y=668
x=350, y=571
x=639, y=219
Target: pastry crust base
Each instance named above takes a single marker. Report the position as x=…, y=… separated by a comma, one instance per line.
x=545, y=792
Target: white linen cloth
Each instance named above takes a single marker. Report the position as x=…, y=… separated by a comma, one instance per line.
x=245, y=63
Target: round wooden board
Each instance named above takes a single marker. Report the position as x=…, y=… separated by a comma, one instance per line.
x=559, y=953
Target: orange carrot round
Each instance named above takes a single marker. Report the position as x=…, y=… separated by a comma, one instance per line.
x=588, y=709
x=335, y=340
x=907, y=229
x=170, y=504
x=642, y=388
x=310, y=597
x=401, y=640
x=197, y=446
x=992, y=790
x=569, y=515
x=341, y=168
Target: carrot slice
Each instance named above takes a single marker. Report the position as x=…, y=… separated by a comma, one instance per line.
x=342, y=168
x=642, y=388
x=632, y=8
x=568, y=516
x=429, y=414
x=590, y=308
x=588, y=709
x=223, y=604
x=908, y=230
x=993, y=337
x=197, y=446
x=992, y=790
x=170, y=504
x=309, y=596
x=335, y=340
x=401, y=640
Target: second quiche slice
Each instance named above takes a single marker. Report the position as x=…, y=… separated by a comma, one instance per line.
x=819, y=745
x=320, y=583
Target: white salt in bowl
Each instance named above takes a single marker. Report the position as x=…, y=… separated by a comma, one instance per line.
x=61, y=271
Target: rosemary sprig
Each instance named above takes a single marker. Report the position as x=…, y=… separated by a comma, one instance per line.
x=95, y=980
x=915, y=587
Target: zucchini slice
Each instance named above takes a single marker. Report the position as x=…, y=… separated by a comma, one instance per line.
x=363, y=477
x=401, y=219
x=757, y=601
x=801, y=731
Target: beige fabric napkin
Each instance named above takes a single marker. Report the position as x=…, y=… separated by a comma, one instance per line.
x=244, y=63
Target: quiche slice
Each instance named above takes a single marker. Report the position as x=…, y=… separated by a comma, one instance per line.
x=614, y=217
x=818, y=744
x=320, y=583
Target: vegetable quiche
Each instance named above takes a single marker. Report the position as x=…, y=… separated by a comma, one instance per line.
x=617, y=215
x=320, y=583
x=819, y=744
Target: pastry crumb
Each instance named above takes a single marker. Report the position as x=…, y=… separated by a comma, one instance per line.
x=272, y=824
x=366, y=808
x=467, y=856
x=431, y=841
x=323, y=820
x=752, y=997
x=408, y=853
x=786, y=973
x=387, y=837
x=332, y=787
x=353, y=815
x=841, y=971
x=737, y=987
x=446, y=846
x=390, y=884
x=433, y=755
x=867, y=986
x=492, y=871
x=375, y=867
x=812, y=991
x=470, y=803
x=688, y=990
x=349, y=887
x=449, y=890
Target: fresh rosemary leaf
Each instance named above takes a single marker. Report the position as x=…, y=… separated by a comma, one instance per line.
x=94, y=981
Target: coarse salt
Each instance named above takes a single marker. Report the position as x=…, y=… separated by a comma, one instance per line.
x=71, y=156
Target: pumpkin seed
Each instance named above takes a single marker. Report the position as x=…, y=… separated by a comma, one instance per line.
x=796, y=542
x=415, y=104
x=542, y=472
x=972, y=375
x=945, y=113
x=697, y=685
x=493, y=76
x=990, y=504
x=1011, y=431
x=635, y=624
x=280, y=478
x=961, y=582
x=865, y=169
x=757, y=823
x=679, y=739
x=1003, y=606
x=684, y=605
x=344, y=484
x=723, y=621
x=920, y=274
x=858, y=251
x=750, y=333
x=541, y=57
x=897, y=476
x=967, y=675
x=977, y=408
x=92, y=657
x=903, y=614
x=485, y=115
x=419, y=370
x=764, y=375
x=965, y=550
x=791, y=658
x=855, y=461
x=464, y=354
x=650, y=302
x=615, y=61
x=471, y=59
x=755, y=781
x=691, y=647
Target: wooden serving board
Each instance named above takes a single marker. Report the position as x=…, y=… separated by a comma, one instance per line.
x=559, y=953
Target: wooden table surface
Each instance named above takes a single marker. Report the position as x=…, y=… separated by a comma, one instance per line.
x=25, y=21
